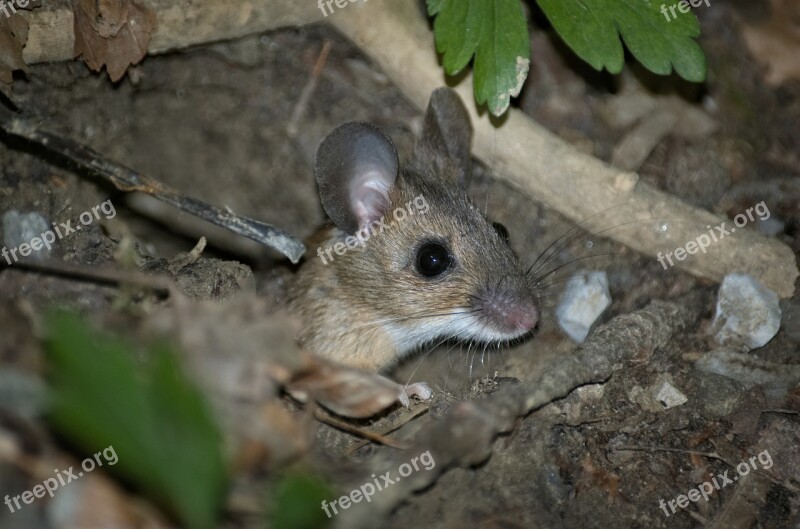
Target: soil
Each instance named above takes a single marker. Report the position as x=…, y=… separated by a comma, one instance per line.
x=212, y=123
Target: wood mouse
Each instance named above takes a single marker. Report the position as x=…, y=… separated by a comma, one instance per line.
x=379, y=284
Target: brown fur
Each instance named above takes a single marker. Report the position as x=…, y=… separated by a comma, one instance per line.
x=345, y=303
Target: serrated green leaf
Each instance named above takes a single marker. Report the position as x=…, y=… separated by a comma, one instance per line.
x=660, y=42
x=166, y=442
x=495, y=32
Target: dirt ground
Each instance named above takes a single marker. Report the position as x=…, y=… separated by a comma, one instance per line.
x=212, y=121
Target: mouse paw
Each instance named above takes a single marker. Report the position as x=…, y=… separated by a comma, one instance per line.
x=420, y=390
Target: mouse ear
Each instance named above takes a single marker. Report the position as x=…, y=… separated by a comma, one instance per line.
x=446, y=132
x=356, y=167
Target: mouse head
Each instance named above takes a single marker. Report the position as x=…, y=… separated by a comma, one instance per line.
x=422, y=261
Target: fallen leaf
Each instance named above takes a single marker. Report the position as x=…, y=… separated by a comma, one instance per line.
x=345, y=391
x=112, y=33
x=107, y=16
x=13, y=36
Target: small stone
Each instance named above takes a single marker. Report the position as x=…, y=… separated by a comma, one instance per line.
x=669, y=396
x=22, y=228
x=22, y=393
x=659, y=396
x=747, y=315
x=584, y=301
x=716, y=395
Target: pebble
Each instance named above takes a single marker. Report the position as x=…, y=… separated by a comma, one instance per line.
x=747, y=315
x=22, y=393
x=585, y=299
x=22, y=228
x=659, y=396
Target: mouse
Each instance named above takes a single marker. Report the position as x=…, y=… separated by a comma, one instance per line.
x=406, y=257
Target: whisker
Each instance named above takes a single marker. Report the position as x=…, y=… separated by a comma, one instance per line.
x=556, y=269
x=563, y=236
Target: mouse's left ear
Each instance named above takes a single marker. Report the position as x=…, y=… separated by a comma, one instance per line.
x=446, y=138
x=356, y=167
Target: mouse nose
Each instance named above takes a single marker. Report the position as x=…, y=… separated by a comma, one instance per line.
x=522, y=317
x=509, y=313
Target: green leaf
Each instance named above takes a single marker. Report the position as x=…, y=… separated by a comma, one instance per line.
x=659, y=41
x=297, y=502
x=156, y=422
x=495, y=32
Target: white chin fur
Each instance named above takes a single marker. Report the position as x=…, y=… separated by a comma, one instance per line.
x=462, y=325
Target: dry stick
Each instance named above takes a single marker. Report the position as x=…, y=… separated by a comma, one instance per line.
x=398, y=38
x=126, y=179
x=97, y=274
x=349, y=428
x=403, y=421
x=465, y=436
x=302, y=102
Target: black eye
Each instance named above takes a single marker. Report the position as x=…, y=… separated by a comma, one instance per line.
x=433, y=259
x=501, y=231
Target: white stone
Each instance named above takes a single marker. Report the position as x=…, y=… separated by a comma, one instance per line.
x=669, y=396
x=747, y=315
x=583, y=302
x=22, y=228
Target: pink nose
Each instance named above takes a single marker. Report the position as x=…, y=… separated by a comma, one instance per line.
x=510, y=315
x=522, y=317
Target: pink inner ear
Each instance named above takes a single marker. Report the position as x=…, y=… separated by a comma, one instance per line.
x=369, y=196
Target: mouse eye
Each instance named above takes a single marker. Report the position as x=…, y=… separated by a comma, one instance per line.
x=433, y=259
x=501, y=231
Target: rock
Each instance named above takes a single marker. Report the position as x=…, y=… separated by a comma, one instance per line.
x=22, y=393
x=776, y=379
x=659, y=396
x=716, y=395
x=747, y=315
x=669, y=396
x=584, y=300
x=22, y=228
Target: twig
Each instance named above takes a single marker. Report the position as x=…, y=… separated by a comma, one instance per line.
x=349, y=428
x=126, y=179
x=308, y=90
x=96, y=274
x=404, y=420
x=711, y=455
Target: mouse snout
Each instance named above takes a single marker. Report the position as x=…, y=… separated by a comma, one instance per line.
x=508, y=313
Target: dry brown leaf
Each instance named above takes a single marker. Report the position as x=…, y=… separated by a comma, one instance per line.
x=112, y=33
x=13, y=36
x=776, y=41
x=345, y=391
x=107, y=16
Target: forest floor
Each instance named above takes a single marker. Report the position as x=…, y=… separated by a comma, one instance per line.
x=212, y=123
